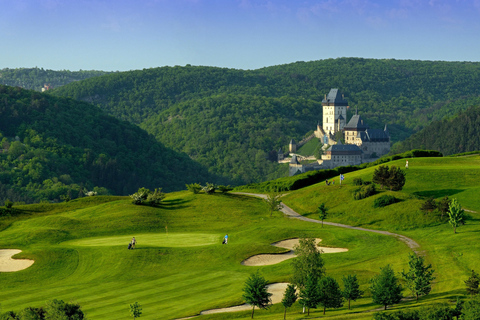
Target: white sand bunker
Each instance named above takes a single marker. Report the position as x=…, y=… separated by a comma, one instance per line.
x=7, y=264
x=268, y=259
x=276, y=289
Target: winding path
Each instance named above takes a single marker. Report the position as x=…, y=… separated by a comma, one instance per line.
x=412, y=244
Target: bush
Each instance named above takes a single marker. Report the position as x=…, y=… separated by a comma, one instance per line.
x=429, y=205
x=384, y=201
x=194, y=187
x=209, y=188
x=146, y=197
x=224, y=189
x=357, y=181
x=365, y=192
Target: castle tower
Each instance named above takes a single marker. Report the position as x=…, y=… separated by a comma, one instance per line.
x=292, y=146
x=334, y=112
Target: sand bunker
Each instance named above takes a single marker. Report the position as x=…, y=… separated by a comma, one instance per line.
x=269, y=259
x=276, y=289
x=7, y=264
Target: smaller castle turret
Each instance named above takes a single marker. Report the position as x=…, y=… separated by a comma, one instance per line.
x=292, y=147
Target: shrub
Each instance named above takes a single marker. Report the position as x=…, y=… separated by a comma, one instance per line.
x=384, y=201
x=146, y=197
x=209, y=188
x=224, y=189
x=357, y=181
x=194, y=187
x=364, y=192
x=429, y=205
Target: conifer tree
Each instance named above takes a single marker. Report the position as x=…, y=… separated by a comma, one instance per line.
x=255, y=292
x=289, y=298
x=351, y=289
x=385, y=288
x=419, y=277
x=473, y=283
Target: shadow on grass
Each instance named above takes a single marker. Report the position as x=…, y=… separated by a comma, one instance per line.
x=173, y=204
x=437, y=193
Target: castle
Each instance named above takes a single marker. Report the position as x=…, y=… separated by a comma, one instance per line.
x=362, y=144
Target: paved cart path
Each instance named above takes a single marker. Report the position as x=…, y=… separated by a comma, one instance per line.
x=412, y=244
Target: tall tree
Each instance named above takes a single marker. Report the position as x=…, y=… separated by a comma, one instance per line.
x=309, y=294
x=419, y=276
x=473, y=283
x=455, y=214
x=351, y=290
x=309, y=261
x=322, y=212
x=273, y=201
x=330, y=295
x=255, y=292
x=289, y=298
x=385, y=288
x=135, y=310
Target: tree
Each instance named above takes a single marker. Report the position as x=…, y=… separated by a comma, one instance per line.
x=309, y=294
x=289, y=298
x=135, y=310
x=351, y=290
x=381, y=175
x=443, y=206
x=59, y=310
x=255, y=292
x=209, y=188
x=330, y=295
x=273, y=201
x=385, y=288
x=429, y=205
x=455, y=214
x=309, y=261
x=194, y=187
x=473, y=283
x=396, y=179
x=419, y=277
x=322, y=211
x=392, y=178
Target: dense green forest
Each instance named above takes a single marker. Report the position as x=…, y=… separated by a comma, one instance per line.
x=229, y=119
x=457, y=134
x=36, y=78
x=54, y=147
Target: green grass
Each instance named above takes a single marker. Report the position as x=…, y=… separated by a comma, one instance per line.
x=80, y=247
x=309, y=148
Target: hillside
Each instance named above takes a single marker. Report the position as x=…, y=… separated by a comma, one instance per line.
x=36, y=78
x=180, y=266
x=53, y=147
x=457, y=134
x=181, y=106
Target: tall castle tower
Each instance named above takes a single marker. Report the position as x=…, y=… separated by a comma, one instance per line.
x=334, y=112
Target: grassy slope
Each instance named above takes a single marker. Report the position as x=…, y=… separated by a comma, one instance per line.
x=80, y=247
x=452, y=255
x=81, y=254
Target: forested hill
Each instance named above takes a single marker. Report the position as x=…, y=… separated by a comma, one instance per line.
x=53, y=147
x=203, y=111
x=457, y=134
x=37, y=78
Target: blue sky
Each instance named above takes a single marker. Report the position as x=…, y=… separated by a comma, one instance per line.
x=243, y=34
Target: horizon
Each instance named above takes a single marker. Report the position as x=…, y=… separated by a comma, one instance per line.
x=237, y=34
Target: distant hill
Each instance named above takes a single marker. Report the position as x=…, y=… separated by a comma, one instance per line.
x=206, y=111
x=52, y=147
x=457, y=134
x=36, y=78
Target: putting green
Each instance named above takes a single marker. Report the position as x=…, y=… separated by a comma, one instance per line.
x=151, y=240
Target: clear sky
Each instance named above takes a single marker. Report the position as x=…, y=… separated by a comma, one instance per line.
x=244, y=34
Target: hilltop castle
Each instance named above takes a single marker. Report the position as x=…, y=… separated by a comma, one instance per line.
x=362, y=144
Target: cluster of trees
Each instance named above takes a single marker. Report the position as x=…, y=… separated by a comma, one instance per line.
x=208, y=188
x=145, y=196
x=312, y=287
x=54, y=309
x=449, y=208
x=230, y=120
x=392, y=178
x=52, y=147
x=36, y=78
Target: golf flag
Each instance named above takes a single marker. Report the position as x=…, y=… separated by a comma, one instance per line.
x=341, y=178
